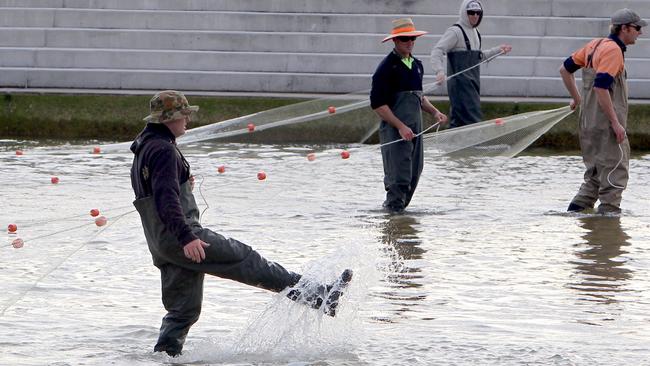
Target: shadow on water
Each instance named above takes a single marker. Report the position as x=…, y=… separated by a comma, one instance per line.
x=600, y=263
x=401, y=243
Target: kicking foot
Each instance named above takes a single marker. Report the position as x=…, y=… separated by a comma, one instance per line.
x=315, y=296
x=336, y=291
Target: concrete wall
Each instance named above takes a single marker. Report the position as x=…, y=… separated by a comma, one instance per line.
x=309, y=46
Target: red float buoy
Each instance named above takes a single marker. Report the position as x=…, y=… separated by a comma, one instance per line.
x=19, y=152
x=345, y=154
x=251, y=127
x=54, y=180
x=331, y=109
x=221, y=169
x=101, y=221
x=12, y=228
x=94, y=212
x=17, y=243
x=261, y=175
x=311, y=156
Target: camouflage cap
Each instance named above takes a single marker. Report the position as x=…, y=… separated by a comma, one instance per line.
x=169, y=105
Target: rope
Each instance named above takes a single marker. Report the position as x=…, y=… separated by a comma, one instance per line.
x=614, y=168
x=433, y=86
x=421, y=133
x=19, y=297
x=202, y=197
x=73, y=217
x=477, y=65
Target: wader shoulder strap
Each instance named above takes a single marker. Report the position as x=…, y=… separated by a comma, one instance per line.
x=591, y=55
x=464, y=36
x=182, y=157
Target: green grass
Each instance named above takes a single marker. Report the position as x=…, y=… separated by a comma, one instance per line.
x=119, y=117
x=107, y=117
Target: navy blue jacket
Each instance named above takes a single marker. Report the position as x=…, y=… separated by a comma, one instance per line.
x=392, y=77
x=158, y=170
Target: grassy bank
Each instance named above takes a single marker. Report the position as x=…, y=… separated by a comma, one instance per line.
x=107, y=117
x=119, y=118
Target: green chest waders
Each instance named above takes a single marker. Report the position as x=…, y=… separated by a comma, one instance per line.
x=403, y=161
x=182, y=279
x=464, y=89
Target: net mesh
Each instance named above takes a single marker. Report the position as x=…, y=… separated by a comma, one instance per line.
x=348, y=116
x=330, y=118
x=505, y=137
x=335, y=117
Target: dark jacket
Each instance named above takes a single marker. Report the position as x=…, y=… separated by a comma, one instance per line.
x=158, y=170
x=392, y=77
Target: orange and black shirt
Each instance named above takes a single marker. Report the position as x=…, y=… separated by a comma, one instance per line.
x=605, y=55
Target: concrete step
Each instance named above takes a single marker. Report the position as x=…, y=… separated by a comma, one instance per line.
x=264, y=82
x=273, y=41
x=573, y=8
x=288, y=22
x=525, y=66
x=283, y=45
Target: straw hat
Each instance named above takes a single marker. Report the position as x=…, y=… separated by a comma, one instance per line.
x=403, y=27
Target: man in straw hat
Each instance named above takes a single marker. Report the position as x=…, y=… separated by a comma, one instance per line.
x=462, y=44
x=181, y=248
x=603, y=112
x=397, y=98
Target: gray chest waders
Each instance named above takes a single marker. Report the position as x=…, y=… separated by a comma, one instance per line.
x=182, y=279
x=606, y=171
x=403, y=161
x=464, y=89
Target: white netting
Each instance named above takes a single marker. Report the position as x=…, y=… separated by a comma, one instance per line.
x=506, y=136
x=330, y=116
x=330, y=108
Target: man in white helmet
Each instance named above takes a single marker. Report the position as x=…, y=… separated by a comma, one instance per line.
x=461, y=43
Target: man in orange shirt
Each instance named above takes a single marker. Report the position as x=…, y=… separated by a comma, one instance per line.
x=603, y=112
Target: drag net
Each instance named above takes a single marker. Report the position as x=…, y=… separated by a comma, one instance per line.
x=330, y=117
x=335, y=116
x=506, y=136
x=338, y=115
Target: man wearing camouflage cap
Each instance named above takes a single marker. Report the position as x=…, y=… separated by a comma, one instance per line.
x=603, y=112
x=181, y=248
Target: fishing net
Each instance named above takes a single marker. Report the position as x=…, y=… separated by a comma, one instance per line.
x=350, y=115
x=337, y=118
x=340, y=118
x=506, y=136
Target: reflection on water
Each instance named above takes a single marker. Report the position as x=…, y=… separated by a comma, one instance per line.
x=399, y=236
x=600, y=259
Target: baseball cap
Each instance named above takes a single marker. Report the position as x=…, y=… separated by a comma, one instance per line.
x=474, y=6
x=627, y=16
